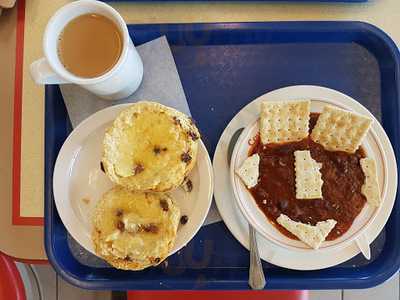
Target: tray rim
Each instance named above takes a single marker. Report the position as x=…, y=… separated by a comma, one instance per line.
x=185, y=280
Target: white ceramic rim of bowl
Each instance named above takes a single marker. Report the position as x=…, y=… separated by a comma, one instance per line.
x=64, y=166
x=275, y=236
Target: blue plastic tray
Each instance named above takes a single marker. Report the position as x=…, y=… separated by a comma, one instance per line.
x=223, y=67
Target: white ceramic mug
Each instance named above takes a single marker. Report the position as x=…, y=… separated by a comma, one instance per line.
x=120, y=82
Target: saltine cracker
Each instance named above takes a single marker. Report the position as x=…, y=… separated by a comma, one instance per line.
x=340, y=130
x=370, y=188
x=249, y=171
x=308, y=176
x=310, y=235
x=282, y=122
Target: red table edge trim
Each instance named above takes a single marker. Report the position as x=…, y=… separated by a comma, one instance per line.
x=17, y=219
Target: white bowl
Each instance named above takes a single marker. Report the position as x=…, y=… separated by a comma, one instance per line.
x=249, y=208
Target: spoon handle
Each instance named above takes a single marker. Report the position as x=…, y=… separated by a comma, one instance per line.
x=256, y=273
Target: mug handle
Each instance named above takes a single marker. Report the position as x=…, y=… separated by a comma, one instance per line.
x=42, y=73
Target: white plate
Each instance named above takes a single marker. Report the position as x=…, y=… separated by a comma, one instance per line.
x=77, y=175
x=256, y=217
x=270, y=251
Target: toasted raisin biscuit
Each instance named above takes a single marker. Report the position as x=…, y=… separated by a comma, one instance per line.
x=134, y=230
x=150, y=147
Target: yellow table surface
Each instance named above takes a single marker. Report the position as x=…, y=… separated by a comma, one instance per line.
x=26, y=242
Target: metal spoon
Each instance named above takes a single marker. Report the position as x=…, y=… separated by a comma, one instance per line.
x=256, y=273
